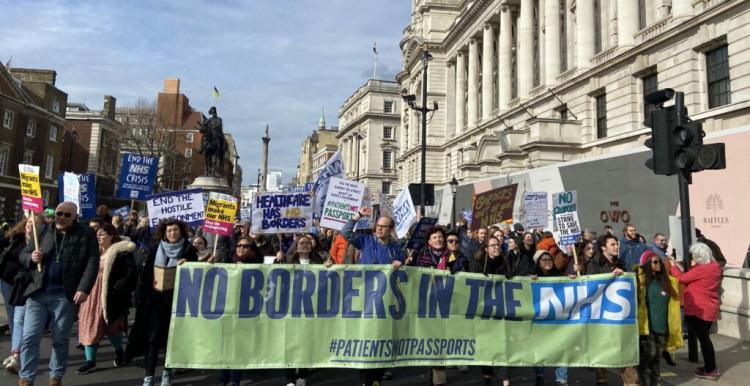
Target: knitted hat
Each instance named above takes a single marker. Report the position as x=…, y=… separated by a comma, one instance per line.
x=49, y=212
x=538, y=254
x=518, y=227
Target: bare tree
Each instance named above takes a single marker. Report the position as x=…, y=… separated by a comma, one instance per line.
x=148, y=134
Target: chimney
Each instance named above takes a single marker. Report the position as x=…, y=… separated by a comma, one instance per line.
x=34, y=75
x=171, y=86
x=109, y=106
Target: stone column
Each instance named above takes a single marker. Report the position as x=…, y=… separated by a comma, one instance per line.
x=525, y=48
x=487, y=98
x=551, y=41
x=504, y=62
x=570, y=39
x=471, y=109
x=450, y=99
x=627, y=22
x=682, y=8
x=585, y=32
x=460, y=92
x=264, y=170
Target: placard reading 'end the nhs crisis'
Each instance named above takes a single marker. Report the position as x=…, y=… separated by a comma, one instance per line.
x=137, y=176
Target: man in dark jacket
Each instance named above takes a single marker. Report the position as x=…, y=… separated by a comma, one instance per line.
x=65, y=267
x=631, y=247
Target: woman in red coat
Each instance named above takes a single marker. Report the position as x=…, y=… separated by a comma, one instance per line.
x=701, y=302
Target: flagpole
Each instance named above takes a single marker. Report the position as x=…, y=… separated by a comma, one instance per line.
x=375, y=67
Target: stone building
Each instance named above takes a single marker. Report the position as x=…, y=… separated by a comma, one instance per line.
x=527, y=83
x=91, y=145
x=320, y=138
x=32, y=117
x=369, y=127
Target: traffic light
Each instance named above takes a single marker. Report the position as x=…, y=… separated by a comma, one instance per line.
x=676, y=142
x=662, y=161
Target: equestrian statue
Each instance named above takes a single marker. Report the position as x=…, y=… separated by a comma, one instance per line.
x=213, y=144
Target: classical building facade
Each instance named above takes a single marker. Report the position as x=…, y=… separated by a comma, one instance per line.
x=32, y=117
x=528, y=83
x=91, y=145
x=369, y=122
x=321, y=138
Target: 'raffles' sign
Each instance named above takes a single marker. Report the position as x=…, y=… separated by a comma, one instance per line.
x=493, y=207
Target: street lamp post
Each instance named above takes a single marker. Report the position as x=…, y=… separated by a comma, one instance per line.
x=359, y=138
x=410, y=100
x=454, y=188
x=71, y=137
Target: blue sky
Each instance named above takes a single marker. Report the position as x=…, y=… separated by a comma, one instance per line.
x=273, y=61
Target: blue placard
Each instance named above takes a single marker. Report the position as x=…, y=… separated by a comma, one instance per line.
x=122, y=211
x=87, y=195
x=137, y=176
x=419, y=237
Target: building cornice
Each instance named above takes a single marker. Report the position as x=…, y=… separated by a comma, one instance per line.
x=343, y=130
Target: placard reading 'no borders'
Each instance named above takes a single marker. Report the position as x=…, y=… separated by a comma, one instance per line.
x=304, y=316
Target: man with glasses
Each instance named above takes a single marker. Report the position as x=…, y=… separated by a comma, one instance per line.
x=65, y=267
x=380, y=247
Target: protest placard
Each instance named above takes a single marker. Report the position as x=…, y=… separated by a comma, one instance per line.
x=72, y=189
x=366, y=221
x=364, y=316
x=308, y=186
x=403, y=212
x=220, y=212
x=334, y=167
x=31, y=191
x=282, y=213
x=137, y=176
x=184, y=205
x=87, y=195
x=535, y=205
x=493, y=207
x=467, y=216
x=419, y=237
x=122, y=211
x=565, y=213
x=342, y=202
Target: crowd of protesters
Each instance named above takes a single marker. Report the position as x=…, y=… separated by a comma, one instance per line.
x=97, y=271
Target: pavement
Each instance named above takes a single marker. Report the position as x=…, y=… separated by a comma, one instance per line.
x=733, y=358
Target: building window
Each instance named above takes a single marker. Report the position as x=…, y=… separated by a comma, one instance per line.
x=385, y=187
x=188, y=153
x=189, y=137
x=601, y=116
x=28, y=158
x=45, y=197
x=4, y=158
x=387, y=106
x=650, y=84
x=49, y=167
x=387, y=159
x=184, y=184
x=31, y=128
x=717, y=64
x=387, y=132
x=8, y=119
x=53, y=133
x=56, y=106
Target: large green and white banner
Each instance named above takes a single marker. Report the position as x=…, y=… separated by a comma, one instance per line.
x=279, y=316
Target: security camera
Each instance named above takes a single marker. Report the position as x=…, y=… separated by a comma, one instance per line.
x=409, y=98
x=657, y=98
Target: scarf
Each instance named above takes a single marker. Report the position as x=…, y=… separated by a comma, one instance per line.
x=167, y=254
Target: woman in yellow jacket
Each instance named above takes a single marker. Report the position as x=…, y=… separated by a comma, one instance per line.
x=659, y=323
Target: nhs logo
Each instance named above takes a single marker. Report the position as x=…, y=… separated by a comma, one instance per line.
x=604, y=301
